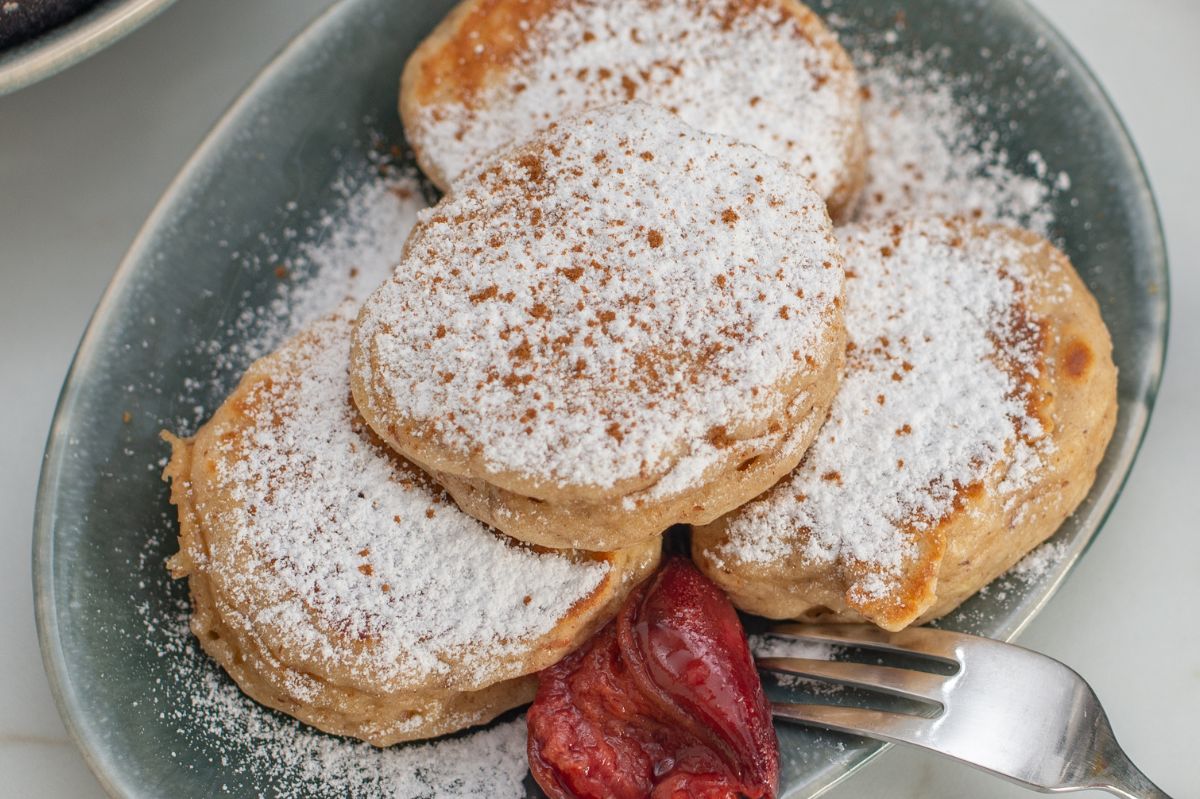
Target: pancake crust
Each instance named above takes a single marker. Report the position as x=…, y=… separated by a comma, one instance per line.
x=766, y=72
x=621, y=325
x=336, y=583
x=979, y=398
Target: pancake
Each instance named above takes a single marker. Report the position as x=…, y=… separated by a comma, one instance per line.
x=979, y=397
x=766, y=72
x=338, y=584
x=622, y=325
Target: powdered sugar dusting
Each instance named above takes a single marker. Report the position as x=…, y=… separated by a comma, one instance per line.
x=335, y=542
x=1038, y=563
x=924, y=411
x=1031, y=570
x=774, y=646
x=928, y=155
x=747, y=70
x=269, y=754
x=344, y=253
x=643, y=287
x=348, y=260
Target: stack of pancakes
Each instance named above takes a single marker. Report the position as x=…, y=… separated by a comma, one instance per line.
x=631, y=310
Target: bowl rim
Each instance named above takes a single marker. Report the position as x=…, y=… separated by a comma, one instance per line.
x=67, y=44
x=99, y=759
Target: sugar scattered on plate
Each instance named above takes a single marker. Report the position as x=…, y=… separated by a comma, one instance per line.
x=1040, y=562
x=929, y=155
x=343, y=254
x=772, y=646
x=276, y=756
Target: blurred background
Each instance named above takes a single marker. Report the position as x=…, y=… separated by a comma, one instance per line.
x=85, y=154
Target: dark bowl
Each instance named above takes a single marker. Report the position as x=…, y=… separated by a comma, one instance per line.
x=59, y=34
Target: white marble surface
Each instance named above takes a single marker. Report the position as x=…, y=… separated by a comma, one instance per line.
x=84, y=156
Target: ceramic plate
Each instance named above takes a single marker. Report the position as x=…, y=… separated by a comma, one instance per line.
x=272, y=178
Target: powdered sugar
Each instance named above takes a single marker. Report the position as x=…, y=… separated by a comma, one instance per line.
x=929, y=156
x=747, y=70
x=644, y=287
x=264, y=753
x=688, y=471
x=346, y=261
x=1034, y=568
x=344, y=253
x=925, y=410
x=773, y=646
x=1038, y=563
x=335, y=542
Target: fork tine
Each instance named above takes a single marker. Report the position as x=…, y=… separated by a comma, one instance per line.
x=939, y=644
x=1009, y=711
x=894, y=727
x=900, y=682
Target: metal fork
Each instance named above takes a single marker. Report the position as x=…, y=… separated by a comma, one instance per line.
x=1007, y=710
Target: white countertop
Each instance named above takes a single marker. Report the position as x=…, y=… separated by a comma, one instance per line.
x=84, y=156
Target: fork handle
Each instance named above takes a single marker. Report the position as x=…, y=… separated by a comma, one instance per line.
x=1136, y=786
x=1122, y=778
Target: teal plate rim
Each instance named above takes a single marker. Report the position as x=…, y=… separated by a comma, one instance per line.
x=221, y=137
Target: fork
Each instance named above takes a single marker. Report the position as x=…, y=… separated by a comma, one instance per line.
x=1005, y=709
